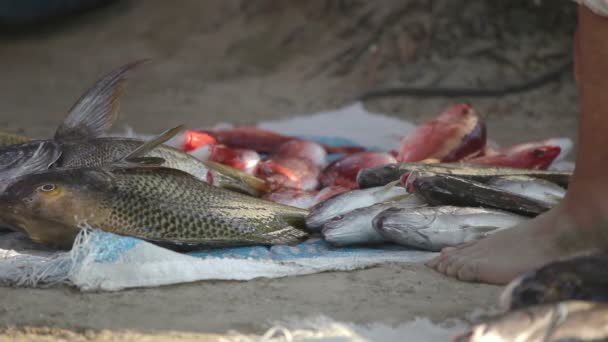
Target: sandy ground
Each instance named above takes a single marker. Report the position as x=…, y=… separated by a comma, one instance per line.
x=236, y=61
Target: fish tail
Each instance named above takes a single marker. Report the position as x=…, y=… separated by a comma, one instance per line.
x=285, y=236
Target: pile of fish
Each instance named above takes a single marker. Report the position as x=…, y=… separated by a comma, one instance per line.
x=50, y=189
x=443, y=185
x=565, y=300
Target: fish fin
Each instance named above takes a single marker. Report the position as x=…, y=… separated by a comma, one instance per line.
x=255, y=183
x=285, y=236
x=46, y=155
x=388, y=186
x=97, y=109
x=153, y=143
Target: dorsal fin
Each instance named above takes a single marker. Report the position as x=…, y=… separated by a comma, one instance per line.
x=97, y=109
x=153, y=143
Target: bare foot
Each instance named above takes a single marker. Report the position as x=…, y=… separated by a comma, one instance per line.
x=580, y=223
x=504, y=255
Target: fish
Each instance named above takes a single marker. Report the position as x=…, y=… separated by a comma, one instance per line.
x=241, y=159
x=137, y=197
x=17, y=162
x=533, y=155
x=432, y=228
x=8, y=139
x=438, y=189
x=576, y=278
x=351, y=200
x=344, y=171
x=356, y=228
x=303, y=149
x=82, y=141
x=303, y=199
x=262, y=140
x=559, y=322
x=535, y=188
x=289, y=173
x=232, y=179
x=194, y=140
x=455, y=134
x=93, y=113
x=382, y=175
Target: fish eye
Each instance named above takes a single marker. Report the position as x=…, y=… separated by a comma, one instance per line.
x=47, y=187
x=337, y=218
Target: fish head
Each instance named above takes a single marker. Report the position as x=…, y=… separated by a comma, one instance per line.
x=52, y=206
x=457, y=112
x=535, y=155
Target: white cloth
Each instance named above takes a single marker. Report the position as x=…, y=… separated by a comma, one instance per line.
x=599, y=7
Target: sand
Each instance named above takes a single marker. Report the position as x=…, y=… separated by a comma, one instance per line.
x=240, y=61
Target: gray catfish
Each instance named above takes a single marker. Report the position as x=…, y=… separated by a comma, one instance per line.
x=135, y=196
x=559, y=322
x=80, y=139
x=433, y=228
x=381, y=175
x=441, y=189
x=355, y=227
x=94, y=112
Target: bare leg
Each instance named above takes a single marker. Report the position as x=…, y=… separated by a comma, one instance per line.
x=580, y=223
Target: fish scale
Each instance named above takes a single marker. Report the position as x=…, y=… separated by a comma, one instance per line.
x=158, y=204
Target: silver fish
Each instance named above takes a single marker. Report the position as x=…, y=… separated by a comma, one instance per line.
x=355, y=227
x=433, y=228
x=535, y=188
x=351, y=200
x=561, y=322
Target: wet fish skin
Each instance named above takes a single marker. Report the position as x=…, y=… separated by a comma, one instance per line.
x=382, y=175
x=356, y=227
x=456, y=133
x=244, y=160
x=560, y=322
x=303, y=149
x=158, y=204
x=525, y=156
x=578, y=278
x=344, y=171
x=303, y=199
x=433, y=228
x=345, y=202
x=535, y=188
x=263, y=140
x=100, y=151
x=448, y=190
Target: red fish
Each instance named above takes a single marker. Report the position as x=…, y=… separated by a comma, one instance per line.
x=262, y=140
x=303, y=149
x=304, y=199
x=195, y=139
x=289, y=173
x=344, y=170
x=456, y=133
x=241, y=159
x=533, y=155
